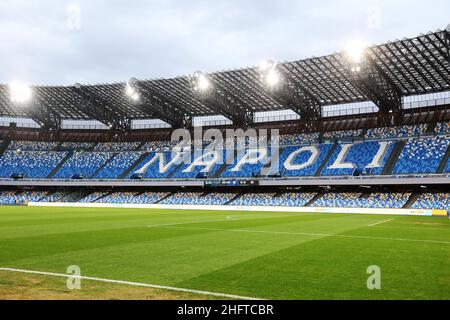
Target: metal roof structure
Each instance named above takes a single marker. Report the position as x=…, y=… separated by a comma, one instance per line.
x=391, y=71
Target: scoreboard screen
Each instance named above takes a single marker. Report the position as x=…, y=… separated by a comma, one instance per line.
x=231, y=183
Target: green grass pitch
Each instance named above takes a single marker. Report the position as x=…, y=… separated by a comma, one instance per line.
x=268, y=255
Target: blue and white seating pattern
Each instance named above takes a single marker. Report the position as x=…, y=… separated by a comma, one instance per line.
x=83, y=163
x=254, y=199
x=396, y=132
x=422, y=155
x=77, y=145
x=11, y=197
x=298, y=139
x=197, y=198
x=436, y=201
x=32, y=146
x=116, y=146
x=343, y=134
x=361, y=155
x=442, y=128
x=33, y=164
x=302, y=158
x=118, y=165
x=354, y=200
x=93, y=197
x=54, y=197
x=182, y=198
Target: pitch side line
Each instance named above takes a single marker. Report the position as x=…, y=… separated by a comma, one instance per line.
x=136, y=284
x=227, y=219
x=377, y=223
x=309, y=234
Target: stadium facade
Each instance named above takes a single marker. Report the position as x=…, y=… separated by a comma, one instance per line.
x=394, y=154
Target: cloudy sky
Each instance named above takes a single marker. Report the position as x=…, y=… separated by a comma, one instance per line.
x=98, y=41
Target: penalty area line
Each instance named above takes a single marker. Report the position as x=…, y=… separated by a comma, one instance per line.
x=130, y=283
x=377, y=223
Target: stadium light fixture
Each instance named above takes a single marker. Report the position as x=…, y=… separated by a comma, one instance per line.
x=131, y=92
x=355, y=51
x=201, y=82
x=19, y=92
x=269, y=73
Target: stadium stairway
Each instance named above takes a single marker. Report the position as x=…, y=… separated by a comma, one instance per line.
x=390, y=163
x=444, y=161
x=164, y=198
x=327, y=158
x=139, y=147
x=412, y=199
x=4, y=146
x=314, y=199
x=104, y=165
x=234, y=198
x=101, y=197
x=63, y=161
x=170, y=175
x=127, y=172
x=222, y=168
x=431, y=127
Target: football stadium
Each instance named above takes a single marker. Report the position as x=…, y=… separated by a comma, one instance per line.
x=321, y=178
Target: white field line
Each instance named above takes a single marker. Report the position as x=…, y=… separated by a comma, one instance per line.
x=136, y=284
x=377, y=223
x=227, y=219
x=311, y=234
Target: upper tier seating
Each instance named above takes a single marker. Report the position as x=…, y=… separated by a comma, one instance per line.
x=396, y=132
x=343, y=134
x=301, y=159
x=33, y=164
x=158, y=146
x=422, y=155
x=118, y=165
x=32, y=146
x=437, y=201
x=84, y=164
x=296, y=139
x=116, y=146
x=443, y=128
x=361, y=155
x=77, y=145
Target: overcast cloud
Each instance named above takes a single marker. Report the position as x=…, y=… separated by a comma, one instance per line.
x=98, y=41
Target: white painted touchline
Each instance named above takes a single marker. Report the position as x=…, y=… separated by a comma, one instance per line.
x=309, y=234
x=377, y=223
x=136, y=284
x=227, y=219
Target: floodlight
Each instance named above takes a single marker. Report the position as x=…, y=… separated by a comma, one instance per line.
x=272, y=78
x=355, y=50
x=19, y=92
x=201, y=81
x=266, y=65
x=269, y=73
x=131, y=92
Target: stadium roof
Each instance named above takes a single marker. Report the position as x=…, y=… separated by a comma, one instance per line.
x=412, y=66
